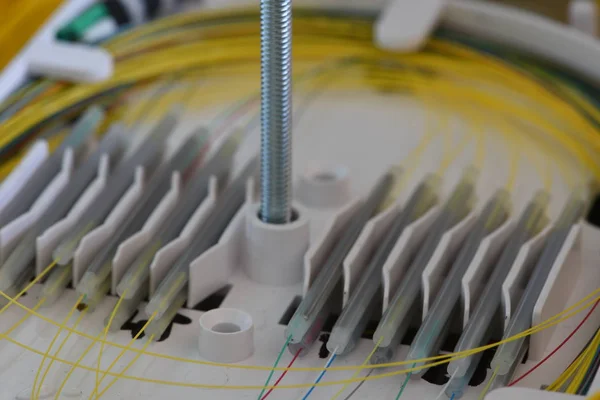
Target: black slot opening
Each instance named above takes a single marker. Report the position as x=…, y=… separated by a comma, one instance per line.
x=289, y=312
x=214, y=300
x=593, y=216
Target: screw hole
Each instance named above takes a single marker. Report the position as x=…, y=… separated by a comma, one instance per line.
x=226, y=327
x=325, y=177
x=295, y=215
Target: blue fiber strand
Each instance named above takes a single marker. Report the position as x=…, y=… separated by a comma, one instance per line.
x=453, y=395
x=320, y=376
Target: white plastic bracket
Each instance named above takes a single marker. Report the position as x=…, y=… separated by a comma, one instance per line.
x=13, y=231
x=319, y=249
x=356, y=260
x=29, y=165
x=48, y=241
x=168, y=254
x=129, y=248
x=513, y=284
x=400, y=256
x=94, y=240
x=556, y=290
x=482, y=266
x=212, y=269
x=441, y=259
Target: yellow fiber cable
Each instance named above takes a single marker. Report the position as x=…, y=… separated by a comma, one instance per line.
x=579, y=374
x=446, y=136
x=449, y=156
x=187, y=33
x=576, y=118
x=12, y=300
x=172, y=22
x=550, y=322
x=297, y=386
x=510, y=75
x=410, y=163
x=24, y=318
x=582, y=369
x=521, y=113
x=588, y=363
x=480, y=143
x=108, y=325
x=366, y=362
x=474, y=131
x=569, y=373
x=575, y=365
x=458, y=94
x=546, y=172
x=133, y=361
x=74, y=366
x=513, y=171
x=485, y=82
x=54, y=339
x=573, y=173
x=564, y=315
x=520, y=87
x=120, y=355
x=488, y=385
x=256, y=387
x=66, y=339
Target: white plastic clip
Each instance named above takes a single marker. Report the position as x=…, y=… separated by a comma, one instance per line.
x=405, y=25
x=70, y=62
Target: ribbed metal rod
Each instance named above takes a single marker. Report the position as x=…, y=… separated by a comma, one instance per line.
x=276, y=110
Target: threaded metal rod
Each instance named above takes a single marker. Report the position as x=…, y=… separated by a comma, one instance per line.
x=276, y=110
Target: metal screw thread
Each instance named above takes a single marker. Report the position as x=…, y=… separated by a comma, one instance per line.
x=276, y=110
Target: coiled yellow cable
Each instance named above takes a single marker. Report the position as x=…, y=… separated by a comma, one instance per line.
x=453, y=72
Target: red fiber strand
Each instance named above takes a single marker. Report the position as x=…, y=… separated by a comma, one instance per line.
x=539, y=364
x=282, y=375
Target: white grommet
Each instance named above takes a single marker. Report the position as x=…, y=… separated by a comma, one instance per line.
x=275, y=253
x=322, y=187
x=226, y=335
